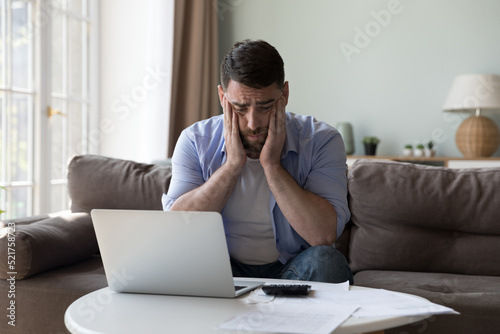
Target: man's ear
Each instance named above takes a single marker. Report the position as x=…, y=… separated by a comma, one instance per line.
x=221, y=95
x=286, y=91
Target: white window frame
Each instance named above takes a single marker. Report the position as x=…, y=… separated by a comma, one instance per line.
x=42, y=189
x=10, y=89
x=39, y=176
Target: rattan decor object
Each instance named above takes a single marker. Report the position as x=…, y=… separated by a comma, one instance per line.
x=477, y=136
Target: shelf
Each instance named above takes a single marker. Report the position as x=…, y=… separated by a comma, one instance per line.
x=452, y=162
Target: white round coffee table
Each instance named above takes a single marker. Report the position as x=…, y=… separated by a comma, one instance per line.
x=104, y=311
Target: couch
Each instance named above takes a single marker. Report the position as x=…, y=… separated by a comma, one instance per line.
x=432, y=232
x=429, y=231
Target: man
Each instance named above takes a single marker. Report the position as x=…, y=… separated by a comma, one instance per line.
x=278, y=179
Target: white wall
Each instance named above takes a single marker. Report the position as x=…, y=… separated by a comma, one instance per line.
x=396, y=84
x=135, y=60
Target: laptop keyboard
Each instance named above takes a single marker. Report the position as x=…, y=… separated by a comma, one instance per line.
x=239, y=287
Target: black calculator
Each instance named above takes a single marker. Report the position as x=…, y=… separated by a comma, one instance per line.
x=287, y=289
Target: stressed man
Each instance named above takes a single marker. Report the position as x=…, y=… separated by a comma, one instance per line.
x=277, y=178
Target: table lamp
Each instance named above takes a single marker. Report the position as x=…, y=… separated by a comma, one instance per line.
x=477, y=136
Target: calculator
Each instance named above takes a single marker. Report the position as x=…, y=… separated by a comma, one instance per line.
x=286, y=289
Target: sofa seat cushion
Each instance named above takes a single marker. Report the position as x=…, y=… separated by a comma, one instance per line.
x=477, y=298
x=42, y=300
x=33, y=246
x=410, y=217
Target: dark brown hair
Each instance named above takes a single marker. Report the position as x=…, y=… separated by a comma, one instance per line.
x=256, y=64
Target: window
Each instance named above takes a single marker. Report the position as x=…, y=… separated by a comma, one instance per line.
x=17, y=97
x=46, y=68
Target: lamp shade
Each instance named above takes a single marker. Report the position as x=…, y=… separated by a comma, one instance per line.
x=470, y=92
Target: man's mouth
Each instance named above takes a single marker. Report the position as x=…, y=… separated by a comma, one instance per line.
x=255, y=135
x=258, y=136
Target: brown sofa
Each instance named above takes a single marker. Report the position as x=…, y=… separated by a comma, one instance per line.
x=428, y=231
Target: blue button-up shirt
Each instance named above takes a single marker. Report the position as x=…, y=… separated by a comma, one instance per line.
x=313, y=154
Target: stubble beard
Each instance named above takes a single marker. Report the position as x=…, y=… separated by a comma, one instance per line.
x=253, y=147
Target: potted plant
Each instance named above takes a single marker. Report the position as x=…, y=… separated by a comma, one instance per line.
x=429, y=150
x=408, y=151
x=370, y=144
x=419, y=151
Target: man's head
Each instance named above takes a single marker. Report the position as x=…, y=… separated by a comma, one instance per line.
x=256, y=64
x=252, y=80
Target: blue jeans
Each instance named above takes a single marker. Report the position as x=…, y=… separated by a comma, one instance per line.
x=318, y=263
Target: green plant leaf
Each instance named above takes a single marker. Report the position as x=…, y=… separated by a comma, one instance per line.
x=371, y=140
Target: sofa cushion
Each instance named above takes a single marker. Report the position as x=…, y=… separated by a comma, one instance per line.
x=477, y=298
x=97, y=182
x=46, y=244
x=410, y=217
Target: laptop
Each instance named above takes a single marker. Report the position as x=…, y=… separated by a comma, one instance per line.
x=166, y=252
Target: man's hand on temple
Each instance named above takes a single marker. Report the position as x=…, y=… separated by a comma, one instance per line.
x=276, y=136
x=236, y=155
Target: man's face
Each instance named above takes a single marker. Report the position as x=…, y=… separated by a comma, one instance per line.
x=253, y=107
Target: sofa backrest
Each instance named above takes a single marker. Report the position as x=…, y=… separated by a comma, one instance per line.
x=97, y=182
x=409, y=217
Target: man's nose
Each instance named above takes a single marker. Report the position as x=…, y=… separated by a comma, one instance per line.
x=253, y=119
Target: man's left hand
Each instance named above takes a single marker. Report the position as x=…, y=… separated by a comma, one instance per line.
x=276, y=136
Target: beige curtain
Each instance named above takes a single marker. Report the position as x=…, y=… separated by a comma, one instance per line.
x=195, y=66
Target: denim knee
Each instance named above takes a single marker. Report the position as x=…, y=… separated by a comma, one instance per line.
x=320, y=264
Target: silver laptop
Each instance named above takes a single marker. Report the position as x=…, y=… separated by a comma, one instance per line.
x=174, y=253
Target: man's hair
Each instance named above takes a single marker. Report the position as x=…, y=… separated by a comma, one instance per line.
x=256, y=64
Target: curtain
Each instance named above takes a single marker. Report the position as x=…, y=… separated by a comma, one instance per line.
x=195, y=66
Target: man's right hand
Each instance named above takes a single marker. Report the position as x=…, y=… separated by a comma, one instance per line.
x=236, y=155
x=215, y=192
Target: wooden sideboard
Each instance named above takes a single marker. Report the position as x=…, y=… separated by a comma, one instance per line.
x=451, y=162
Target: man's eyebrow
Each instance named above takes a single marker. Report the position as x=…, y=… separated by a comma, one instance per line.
x=260, y=103
x=266, y=102
x=241, y=105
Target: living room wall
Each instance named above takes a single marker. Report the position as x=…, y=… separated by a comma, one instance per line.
x=385, y=66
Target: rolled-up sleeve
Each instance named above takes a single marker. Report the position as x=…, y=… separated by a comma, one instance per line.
x=328, y=177
x=186, y=170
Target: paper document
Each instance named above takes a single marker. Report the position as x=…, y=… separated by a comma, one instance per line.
x=290, y=318
x=379, y=303
x=372, y=302
x=326, y=308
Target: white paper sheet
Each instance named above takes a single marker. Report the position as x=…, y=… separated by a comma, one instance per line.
x=379, y=303
x=290, y=318
x=325, y=308
x=373, y=302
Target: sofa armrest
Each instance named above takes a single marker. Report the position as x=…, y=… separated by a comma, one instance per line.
x=32, y=219
x=32, y=245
